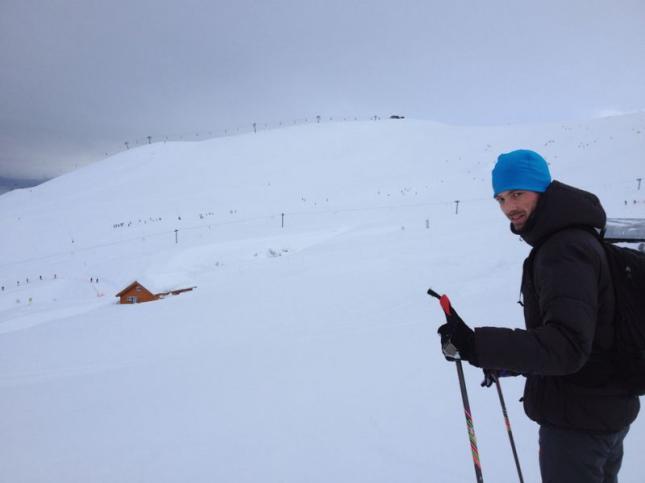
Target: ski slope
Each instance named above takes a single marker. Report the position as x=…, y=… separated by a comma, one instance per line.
x=307, y=352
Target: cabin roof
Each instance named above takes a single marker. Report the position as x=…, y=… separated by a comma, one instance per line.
x=130, y=287
x=166, y=291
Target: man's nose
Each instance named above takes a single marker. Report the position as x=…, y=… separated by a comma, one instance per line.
x=509, y=208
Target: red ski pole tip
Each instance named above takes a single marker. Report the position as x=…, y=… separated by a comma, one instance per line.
x=445, y=304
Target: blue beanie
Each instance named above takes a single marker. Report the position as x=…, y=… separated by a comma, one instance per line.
x=521, y=170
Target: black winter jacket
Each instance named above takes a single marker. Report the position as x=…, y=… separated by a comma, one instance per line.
x=568, y=311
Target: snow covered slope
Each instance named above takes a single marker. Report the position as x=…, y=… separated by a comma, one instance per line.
x=307, y=352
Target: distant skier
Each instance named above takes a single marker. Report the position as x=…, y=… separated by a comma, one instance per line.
x=571, y=390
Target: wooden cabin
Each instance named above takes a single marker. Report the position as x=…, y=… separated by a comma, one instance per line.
x=136, y=293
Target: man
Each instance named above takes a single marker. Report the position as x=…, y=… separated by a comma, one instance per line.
x=571, y=388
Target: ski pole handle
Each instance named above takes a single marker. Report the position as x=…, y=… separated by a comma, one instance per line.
x=449, y=350
x=444, y=301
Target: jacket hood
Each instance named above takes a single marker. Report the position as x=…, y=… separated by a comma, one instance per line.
x=562, y=206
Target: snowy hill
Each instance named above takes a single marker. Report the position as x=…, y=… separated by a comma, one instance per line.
x=307, y=352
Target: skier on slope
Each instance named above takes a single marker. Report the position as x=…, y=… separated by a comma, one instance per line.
x=571, y=391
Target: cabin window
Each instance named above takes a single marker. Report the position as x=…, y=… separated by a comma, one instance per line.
x=132, y=299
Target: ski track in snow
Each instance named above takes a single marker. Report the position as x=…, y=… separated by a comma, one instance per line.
x=31, y=318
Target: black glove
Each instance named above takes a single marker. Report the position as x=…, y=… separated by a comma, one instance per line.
x=490, y=375
x=457, y=339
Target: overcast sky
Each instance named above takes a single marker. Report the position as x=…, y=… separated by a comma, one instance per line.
x=79, y=78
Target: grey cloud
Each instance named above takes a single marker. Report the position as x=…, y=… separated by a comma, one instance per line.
x=81, y=77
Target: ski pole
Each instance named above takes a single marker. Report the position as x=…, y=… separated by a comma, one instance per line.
x=507, y=421
x=469, y=423
x=452, y=354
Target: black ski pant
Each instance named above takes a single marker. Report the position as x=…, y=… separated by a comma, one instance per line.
x=568, y=456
